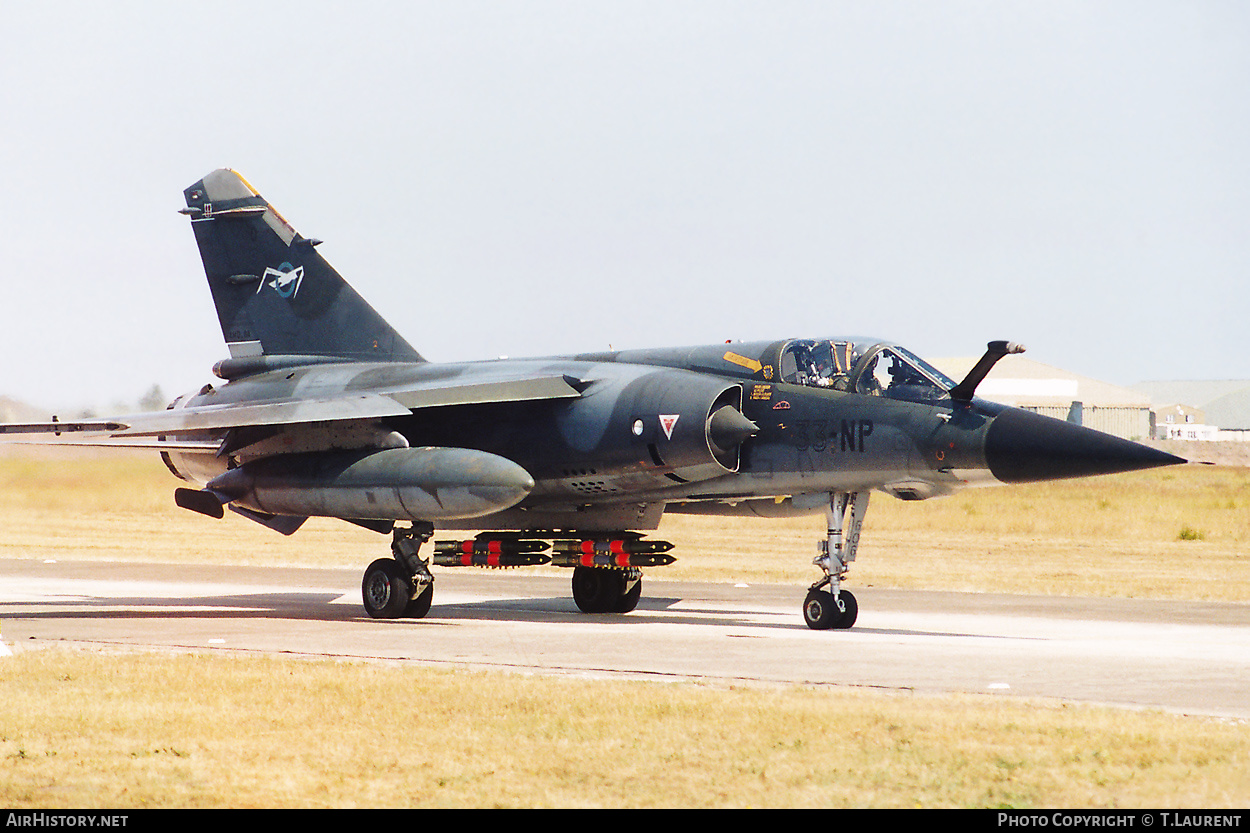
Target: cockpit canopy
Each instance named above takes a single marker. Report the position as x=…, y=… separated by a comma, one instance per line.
x=864, y=367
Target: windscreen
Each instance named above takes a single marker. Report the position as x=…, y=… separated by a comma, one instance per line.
x=896, y=373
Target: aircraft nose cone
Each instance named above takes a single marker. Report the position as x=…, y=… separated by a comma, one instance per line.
x=1021, y=446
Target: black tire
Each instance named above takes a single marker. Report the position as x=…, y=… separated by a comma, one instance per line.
x=629, y=599
x=850, y=610
x=597, y=590
x=820, y=612
x=417, y=608
x=385, y=590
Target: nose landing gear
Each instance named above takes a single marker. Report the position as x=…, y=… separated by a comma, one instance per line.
x=835, y=608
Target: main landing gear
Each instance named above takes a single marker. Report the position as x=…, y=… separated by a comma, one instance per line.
x=607, y=574
x=827, y=605
x=606, y=590
x=402, y=586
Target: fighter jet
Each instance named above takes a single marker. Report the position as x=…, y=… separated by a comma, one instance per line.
x=324, y=410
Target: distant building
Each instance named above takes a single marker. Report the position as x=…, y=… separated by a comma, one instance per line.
x=1053, y=392
x=1189, y=432
x=1177, y=415
x=1224, y=404
x=1175, y=410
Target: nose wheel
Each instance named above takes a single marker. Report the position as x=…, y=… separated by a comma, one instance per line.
x=824, y=611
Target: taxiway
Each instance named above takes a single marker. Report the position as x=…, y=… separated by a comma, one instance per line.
x=1178, y=656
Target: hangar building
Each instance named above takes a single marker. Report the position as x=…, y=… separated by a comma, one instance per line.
x=1053, y=392
x=1222, y=404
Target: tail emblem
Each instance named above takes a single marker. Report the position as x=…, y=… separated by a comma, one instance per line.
x=284, y=280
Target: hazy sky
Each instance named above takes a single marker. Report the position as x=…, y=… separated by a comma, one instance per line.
x=530, y=178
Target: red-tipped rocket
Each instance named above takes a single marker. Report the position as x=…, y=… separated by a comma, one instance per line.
x=490, y=546
x=576, y=559
x=478, y=559
x=611, y=546
x=611, y=552
x=486, y=551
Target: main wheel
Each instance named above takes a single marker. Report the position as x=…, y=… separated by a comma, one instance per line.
x=821, y=611
x=385, y=590
x=418, y=607
x=629, y=599
x=597, y=590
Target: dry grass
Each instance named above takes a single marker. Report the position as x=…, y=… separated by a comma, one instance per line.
x=87, y=730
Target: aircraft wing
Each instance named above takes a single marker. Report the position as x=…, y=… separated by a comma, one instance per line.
x=194, y=425
x=522, y=389
x=84, y=434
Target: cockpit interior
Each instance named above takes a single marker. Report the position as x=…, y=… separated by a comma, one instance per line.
x=867, y=368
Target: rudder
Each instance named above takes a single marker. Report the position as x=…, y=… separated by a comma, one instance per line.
x=275, y=294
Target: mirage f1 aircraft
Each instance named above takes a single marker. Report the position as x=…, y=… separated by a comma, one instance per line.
x=327, y=411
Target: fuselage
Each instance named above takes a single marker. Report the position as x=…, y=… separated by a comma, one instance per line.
x=730, y=428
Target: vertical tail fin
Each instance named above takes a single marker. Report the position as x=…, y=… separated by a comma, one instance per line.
x=275, y=295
